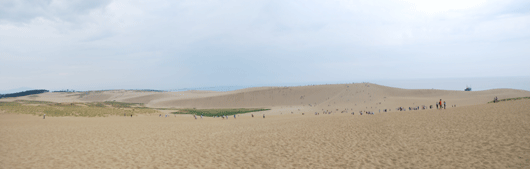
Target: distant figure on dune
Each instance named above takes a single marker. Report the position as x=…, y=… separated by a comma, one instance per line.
x=131, y=114
x=195, y=116
x=252, y=115
x=263, y=115
x=160, y=115
x=234, y=116
x=436, y=105
x=495, y=100
x=124, y=114
x=444, y=104
x=440, y=103
x=44, y=116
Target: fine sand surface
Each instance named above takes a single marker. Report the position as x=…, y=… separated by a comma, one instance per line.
x=352, y=97
x=477, y=136
x=473, y=134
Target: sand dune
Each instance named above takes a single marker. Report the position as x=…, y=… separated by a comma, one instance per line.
x=359, y=96
x=479, y=136
x=472, y=135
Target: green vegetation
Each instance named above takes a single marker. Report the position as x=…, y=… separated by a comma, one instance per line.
x=123, y=105
x=33, y=102
x=73, y=109
x=104, y=109
x=96, y=105
x=508, y=99
x=217, y=112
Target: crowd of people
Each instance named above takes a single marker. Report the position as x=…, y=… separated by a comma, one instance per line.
x=439, y=105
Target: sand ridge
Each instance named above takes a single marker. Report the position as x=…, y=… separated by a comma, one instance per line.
x=477, y=136
x=358, y=96
x=472, y=135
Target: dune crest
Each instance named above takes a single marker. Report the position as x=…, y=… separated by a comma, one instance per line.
x=358, y=96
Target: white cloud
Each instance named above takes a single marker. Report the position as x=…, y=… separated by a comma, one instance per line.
x=230, y=41
x=438, y=6
x=23, y=11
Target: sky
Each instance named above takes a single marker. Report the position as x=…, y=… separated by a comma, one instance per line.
x=159, y=44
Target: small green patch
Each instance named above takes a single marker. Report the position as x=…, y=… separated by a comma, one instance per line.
x=99, y=105
x=122, y=105
x=217, y=112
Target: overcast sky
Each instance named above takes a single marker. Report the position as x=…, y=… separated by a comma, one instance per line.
x=157, y=44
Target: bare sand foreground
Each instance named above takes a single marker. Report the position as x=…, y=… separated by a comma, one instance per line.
x=479, y=136
x=472, y=135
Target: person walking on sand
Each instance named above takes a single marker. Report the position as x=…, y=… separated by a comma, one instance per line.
x=444, y=104
x=44, y=116
x=440, y=103
x=263, y=115
x=234, y=116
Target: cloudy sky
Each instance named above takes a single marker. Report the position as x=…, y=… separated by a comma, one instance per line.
x=158, y=44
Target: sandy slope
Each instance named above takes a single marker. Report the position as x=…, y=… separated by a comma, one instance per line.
x=353, y=97
x=477, y=136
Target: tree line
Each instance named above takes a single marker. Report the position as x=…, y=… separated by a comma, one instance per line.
x=24, y=93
